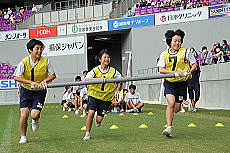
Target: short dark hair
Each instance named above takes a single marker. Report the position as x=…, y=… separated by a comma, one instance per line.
x=204, y=47
x=132, y=86
x=78, y=78
x=125, y=90
x=104, y=51
x=30, y=45
x=170, y=33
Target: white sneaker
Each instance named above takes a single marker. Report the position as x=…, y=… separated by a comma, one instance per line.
x=63, y=109
x=194, y=110
x=84, y=113
x=122, y=110
x=128, y=111
x=35, y=125
x=115, y=109
x=23, y=139
x=69, y=109
x=167, y=132
x=87, y=137
x=182, y=110
x=135, y=110
x=76, y=112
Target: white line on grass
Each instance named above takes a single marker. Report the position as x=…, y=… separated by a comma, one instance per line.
x=5, y=147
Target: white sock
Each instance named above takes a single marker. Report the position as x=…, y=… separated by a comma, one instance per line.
x=87, y=133
x=23, y=137
x=169, y=127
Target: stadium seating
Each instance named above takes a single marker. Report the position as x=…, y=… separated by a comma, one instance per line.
x=6, y=71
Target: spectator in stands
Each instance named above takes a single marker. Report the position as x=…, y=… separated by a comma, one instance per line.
x=76, y=93
x=133, y=100
x=160, y=4
x=175, y=60
x=130, y=13
x=197, y=4
x=9, y=11
x=194, y=88
x=142, y=3
x=1, y=13
x=17, y=8
x=189, y=4
x=148, y=2
x=205, y=3
x=21, y=11
x=218, y=57
x=178, y=3
x=34, y=8
x=225, y=46
x=12, y=18
x=67, y=99
x=33, y=87
x=206, y=56
x=83, y=100
x=166, y=3
x=6, y=16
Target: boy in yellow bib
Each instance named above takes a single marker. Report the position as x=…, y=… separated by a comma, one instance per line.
x=175, y=60
x=100, y=95
x=33, y=72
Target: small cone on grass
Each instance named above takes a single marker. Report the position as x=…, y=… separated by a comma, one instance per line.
x=135, y=114
x=143, y=126
x=192, y=125
x=83, y=128
x=113, y=127
x=121, y=114
x=65, y=116
x=150, y=113
x=105, y=115
x=83, y=115
x=219, y=125
x=165, y=125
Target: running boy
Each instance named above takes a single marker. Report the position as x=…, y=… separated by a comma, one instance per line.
x=33, y=72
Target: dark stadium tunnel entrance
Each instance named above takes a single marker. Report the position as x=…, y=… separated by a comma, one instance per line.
x=110, y=40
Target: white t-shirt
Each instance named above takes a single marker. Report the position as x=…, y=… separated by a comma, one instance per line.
x=91, y=74
x=84, y=93
x=68, y=95
x=134, y=97
x=189, y=57
x=77, y=89
x=21, y=67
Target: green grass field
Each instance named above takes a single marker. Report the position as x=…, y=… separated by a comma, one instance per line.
x=58, y=135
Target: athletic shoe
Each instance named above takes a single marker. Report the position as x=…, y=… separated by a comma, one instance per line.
x=23, y=139
x=35, y=125
x=63, y=109
x=167, y=132
x=87, y=137
x=76, y=112
x=115, y=109
x=135, y=110
x=128, y=111
x=182, y=110
x=69, y=109
x=84, y=113
x=194, y=110
x=122, y=110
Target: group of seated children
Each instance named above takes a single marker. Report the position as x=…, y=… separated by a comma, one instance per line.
x=127, y=101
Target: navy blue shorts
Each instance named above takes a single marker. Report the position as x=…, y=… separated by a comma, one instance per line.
x=178, y=89
x=194, y=89
x=98, y=105
x=32, y=99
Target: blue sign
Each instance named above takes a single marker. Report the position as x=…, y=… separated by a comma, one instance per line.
x=134, y=22
x=6, y=84
x=219, y=11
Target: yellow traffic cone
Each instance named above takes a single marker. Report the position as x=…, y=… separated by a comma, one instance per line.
x=143, y=126
x=192, y=125
x=150, y=113
x=113, y=127
x=83, y=128
x=83, y=115
x=65, y=116
x=121, y=114
x=135, y=114
x=219, y=125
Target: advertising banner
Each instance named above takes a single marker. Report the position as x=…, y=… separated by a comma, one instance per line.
x=43, y=32
x=14, y=35
x=64, y=46
x=182, y=16
x=134, y=22
x=219, y=11
x=87, y=27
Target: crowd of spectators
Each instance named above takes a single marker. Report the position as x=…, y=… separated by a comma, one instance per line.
x=156, y=6
x=10, y=18
x=75, y=99
x=218, y=53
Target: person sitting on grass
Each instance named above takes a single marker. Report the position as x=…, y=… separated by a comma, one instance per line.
x=76, y=93
x=133, y=100
x=115, y=101
x=67, y=100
